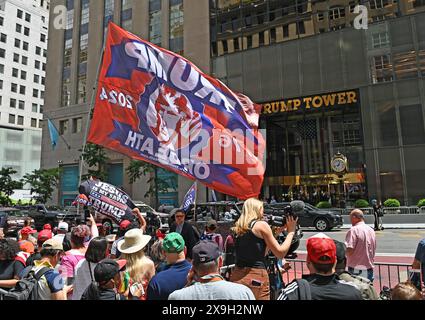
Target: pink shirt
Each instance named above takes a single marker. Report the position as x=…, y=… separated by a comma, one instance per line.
x=362, y=239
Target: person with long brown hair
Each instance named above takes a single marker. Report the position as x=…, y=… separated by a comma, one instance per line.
x=254, y=238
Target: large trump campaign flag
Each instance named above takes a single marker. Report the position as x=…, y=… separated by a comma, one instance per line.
x=156, y=106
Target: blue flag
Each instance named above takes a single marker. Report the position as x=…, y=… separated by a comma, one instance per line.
x=54, y=134
x=189, y=198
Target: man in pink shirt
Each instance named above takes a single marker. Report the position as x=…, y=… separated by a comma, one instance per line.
x=361, y=245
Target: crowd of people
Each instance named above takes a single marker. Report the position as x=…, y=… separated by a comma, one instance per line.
x=83, y=264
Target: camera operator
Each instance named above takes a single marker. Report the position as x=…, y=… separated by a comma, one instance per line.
x=254, y=238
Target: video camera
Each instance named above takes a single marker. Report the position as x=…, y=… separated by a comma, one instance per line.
x=279, y=215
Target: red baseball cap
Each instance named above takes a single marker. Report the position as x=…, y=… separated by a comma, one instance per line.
x=321, y=249
x=47, y=227
x=124, y=224
x=28, y=230
x=44, y=235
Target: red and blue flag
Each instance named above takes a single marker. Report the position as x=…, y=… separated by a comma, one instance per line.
x=156, y=106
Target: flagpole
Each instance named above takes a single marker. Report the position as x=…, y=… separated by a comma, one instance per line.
x=92, y=102
x=196, y=196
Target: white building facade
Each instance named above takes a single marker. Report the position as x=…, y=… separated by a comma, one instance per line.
x=23, y=50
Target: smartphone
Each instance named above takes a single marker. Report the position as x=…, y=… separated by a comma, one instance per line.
x=136, y=287
x=256, y=283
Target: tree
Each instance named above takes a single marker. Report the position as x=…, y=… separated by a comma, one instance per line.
x=7, y=185
x=43, y=182
x=136, y=169
x=95, y=157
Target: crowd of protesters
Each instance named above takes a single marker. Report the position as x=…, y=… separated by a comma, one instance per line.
x=82, y=264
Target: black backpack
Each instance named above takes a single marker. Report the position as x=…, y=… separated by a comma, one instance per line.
x=27, y=287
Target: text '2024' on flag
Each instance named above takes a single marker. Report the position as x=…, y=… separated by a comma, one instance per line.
x=156, y=106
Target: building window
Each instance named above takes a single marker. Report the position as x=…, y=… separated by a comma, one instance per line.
x=35, y=93
x=380, y=39
x=23, y=75
x=1, y=84
x=236, y=44
x=84, y=42
x=300, y=27
x=2, y=53
x=320, y=16
x=13, y=103
x=14, y=87
x=12, y=119
x=15, y=72
x=3, y=38
x=286, y=31
x=42, y=37
x=27, y=17
x=38, y=50
x=17, y=43
x=405, y=66
x=155, y=23
x=77, y=125
x=27, y=32
x=36, y=78
x=225, y=48
x=34, y=108
x=37, y=64
x=378, y=4
x=16, y=57
x=21, y=105
x=1, y=68
x=25, y=46
x=249, y=41
x=24, y=60
x=418, y=3
x=382, y=69
x=108, y=15
x=18, y=28
x=336, y=13
x=126, y=15
x=1, y=21
x=176, y=26
x=33, y=123
x=82, y=86
x=22, y=89
x=19, y=14
x=63, y=127
x=352, y=6
x=20, y=120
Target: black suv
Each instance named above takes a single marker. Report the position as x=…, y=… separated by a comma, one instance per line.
x=322, y=220
x=51, y=215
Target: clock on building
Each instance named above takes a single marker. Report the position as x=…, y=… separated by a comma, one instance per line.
x=339, y=163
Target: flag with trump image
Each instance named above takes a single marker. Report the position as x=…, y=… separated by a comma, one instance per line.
x=156, y=106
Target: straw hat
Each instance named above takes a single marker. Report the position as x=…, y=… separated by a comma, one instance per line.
x=134, y=241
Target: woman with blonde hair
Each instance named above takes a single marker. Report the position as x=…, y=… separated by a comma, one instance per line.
x=254, y=238
x=139, y=268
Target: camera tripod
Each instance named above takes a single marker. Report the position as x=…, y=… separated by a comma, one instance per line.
x=275, y=277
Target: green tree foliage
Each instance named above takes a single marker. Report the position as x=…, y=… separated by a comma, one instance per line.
x=392, y=203
x=361, y=203
x=96, y=159
x=7, y=185
x=137, y=169
x=421, y=203
x=323, y=205
x=43, y=183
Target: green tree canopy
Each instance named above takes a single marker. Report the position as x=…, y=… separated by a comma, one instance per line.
x=43, y=182
x=7, y=185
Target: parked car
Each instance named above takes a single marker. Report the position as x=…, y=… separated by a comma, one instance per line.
x=321, y=219
x=51, y=215
x=12, y=220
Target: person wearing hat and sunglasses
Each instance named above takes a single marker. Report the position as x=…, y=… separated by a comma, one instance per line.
x=174, y=276
x=205, y=281
x=107, y=276
x=322, y=283
x=140, y=269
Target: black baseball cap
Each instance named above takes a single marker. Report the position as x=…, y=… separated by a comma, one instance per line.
x=340, y=251
x=106, y=269
x=205, y=251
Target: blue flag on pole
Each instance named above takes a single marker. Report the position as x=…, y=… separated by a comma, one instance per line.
x=189, y=198
x=54, y=134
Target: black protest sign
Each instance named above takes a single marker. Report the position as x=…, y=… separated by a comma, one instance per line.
x=108, y=200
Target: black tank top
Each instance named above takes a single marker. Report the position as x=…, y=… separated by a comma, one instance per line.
x=250, y=250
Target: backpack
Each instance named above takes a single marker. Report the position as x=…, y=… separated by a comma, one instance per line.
x=27, y=287
x=303, y=292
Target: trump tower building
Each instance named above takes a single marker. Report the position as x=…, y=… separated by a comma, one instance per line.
x=326, y=86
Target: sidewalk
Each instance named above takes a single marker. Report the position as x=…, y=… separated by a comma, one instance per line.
x=394, y=226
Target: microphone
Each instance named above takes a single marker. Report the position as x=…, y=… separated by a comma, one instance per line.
x=297, y=206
